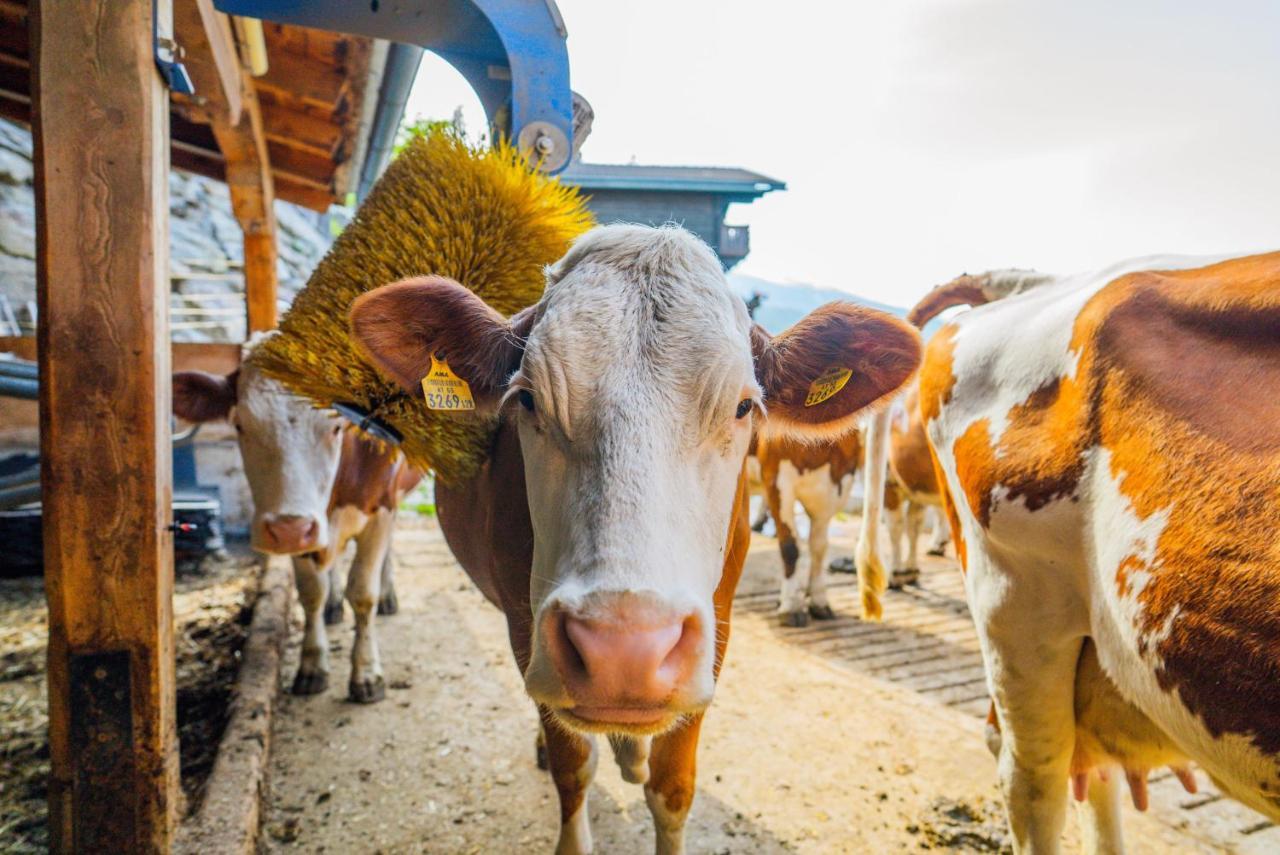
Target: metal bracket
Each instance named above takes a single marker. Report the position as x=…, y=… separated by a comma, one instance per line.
x=168, y=56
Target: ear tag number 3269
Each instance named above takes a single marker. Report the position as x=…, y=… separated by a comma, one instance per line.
x=445, y=390
x=827, y=384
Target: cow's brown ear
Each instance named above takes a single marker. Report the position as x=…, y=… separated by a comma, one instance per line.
x=400, y=327
x=821, y=374
x=201, y=397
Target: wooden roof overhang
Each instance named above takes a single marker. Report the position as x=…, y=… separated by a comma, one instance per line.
x=314, y=99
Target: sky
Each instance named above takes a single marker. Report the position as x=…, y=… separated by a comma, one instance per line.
x=921, y=139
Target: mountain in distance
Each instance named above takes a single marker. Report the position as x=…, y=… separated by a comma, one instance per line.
x=785, y=303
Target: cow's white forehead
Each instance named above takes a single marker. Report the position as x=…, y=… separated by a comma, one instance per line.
x=636, y=316
x=264, y=399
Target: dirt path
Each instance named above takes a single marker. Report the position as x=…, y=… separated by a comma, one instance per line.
x=800, y=752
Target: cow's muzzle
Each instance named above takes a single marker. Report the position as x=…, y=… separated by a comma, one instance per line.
x=624, y=661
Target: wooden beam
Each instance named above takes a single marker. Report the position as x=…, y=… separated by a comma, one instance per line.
x=211, y=57
x=248, y=176
x=260, y=281
x=101, y=159
x=292, y=75
x=301, y=193
x=299, y=130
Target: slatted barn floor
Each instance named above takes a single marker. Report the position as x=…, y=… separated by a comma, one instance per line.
x=927, y=643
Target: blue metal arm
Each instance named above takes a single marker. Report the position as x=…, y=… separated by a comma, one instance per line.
x=512, y=52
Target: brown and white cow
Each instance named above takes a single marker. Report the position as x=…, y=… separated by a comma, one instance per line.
x=910, y=491
x=1110, y=446
x=315, y=488
x=610, y=521
x=819, y=476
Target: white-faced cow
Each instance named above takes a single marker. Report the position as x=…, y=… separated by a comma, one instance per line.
x=819, y=475
x=610, y=521
x=315, y=488
x=1110, y=444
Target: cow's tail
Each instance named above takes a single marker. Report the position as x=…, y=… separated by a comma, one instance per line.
x=872, y=579
x=976, y=290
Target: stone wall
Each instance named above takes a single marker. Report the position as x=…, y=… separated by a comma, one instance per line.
x=206, y=247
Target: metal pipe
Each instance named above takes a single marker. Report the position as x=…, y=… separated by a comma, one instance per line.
x=19, y=387
x=25, y=494
x=397, y=80
x=17, y=479
x=19, y=368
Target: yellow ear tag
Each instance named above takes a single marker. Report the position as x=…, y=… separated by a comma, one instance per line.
x=445, y=390
x=827, y=384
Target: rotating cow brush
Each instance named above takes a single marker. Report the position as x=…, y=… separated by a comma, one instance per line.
x=483, y=217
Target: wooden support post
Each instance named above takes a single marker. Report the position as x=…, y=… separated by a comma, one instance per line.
x=260, y=279
x=244, y=147
x=100, y=116
x=227, y=99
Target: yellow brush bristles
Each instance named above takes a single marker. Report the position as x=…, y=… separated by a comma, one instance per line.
x=481, y=216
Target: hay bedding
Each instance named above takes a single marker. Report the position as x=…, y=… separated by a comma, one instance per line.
x=211, y=613
x=482, y=217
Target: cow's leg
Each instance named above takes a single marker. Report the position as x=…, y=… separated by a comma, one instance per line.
x=908, y=573
x=632, y=756
x=820, y=515
x=313, y=589
x=940, y=534
x=388, y=603
x=333, y=600
x=673, y=771
x=363, y=581
x=896, y=517
x=1100, y=824
x=762, y=517
x=782, y=504
x=1033, y=685
x=572, y=759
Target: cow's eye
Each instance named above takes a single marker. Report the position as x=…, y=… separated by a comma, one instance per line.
x=526, y=399
x=337, y=429
x=744, y=407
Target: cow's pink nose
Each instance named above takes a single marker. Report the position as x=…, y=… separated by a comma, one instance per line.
x=619, y=667
x=289, y=533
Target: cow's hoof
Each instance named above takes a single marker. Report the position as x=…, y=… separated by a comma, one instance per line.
x=758, y=527
x=795, y=619
x=333, y=613
x=940, y=552
x=821, y=613
x=842, y=565
x=367, y=691
x=310, y=682
x=904, y=577
x=388, y=604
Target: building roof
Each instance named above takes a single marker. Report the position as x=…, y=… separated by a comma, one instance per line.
x=721, y=180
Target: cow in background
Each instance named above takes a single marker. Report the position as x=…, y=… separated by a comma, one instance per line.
x=819, y=476
x=1109, y=445
x=315, y=487
x=610, y=521
x=912, y=494
x=901, y=486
